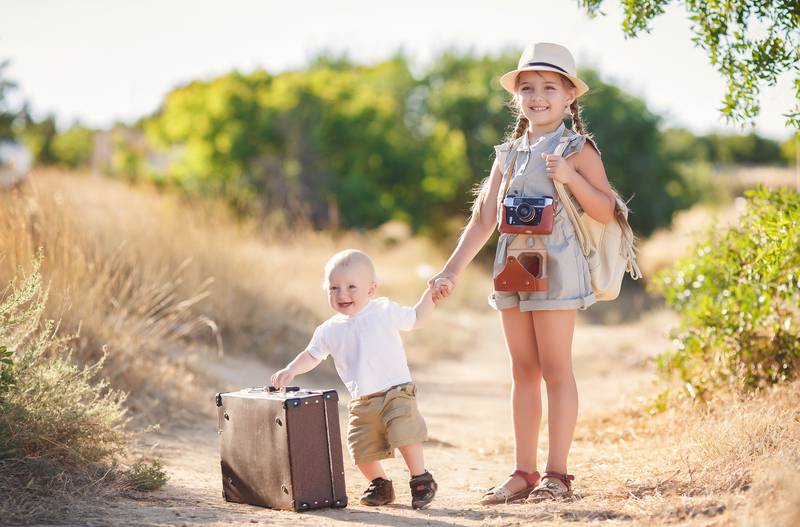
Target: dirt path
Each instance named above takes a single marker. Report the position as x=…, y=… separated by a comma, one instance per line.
x=465, y=403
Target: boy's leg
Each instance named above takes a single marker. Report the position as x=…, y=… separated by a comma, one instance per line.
x=415, y=459
x=367, y=445
x=380, y=490
x=372, y=470
x=423, y=486
x=406, y=430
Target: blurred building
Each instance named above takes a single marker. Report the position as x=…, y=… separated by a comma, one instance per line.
x=15, y=163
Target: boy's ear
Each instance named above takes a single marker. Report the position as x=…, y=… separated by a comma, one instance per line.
x=373, y=287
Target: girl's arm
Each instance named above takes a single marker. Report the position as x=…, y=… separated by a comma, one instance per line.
x=585, y=176
x=303, y=363
x=476, y=233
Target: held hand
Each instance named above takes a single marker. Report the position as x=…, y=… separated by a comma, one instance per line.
x=446, y=284
x=442, y=288
x=282, y=378
x=558, y=168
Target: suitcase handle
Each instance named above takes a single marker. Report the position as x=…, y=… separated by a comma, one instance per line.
x=273, y=389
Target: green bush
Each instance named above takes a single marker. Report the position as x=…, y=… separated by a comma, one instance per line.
x=73, y=147
x=357, y=145
x=739, y=299
x=147, y=476
x=61, y=428
x=7, y=378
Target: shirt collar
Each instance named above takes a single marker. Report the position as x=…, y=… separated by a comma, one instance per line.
x=525, y=146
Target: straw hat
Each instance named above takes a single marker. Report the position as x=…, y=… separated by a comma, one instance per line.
x=545, y=56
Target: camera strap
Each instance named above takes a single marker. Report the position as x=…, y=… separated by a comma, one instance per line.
x=507, y=177
x=509, y=173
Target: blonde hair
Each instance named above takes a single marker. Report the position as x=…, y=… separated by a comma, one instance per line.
x=349, y=258
x=481, y=190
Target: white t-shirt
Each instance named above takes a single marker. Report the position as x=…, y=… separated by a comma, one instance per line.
x=366, y=347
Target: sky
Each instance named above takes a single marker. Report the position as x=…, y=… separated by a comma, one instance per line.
x=103, y=61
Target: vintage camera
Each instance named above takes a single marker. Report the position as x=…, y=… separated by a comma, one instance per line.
x=527, y=215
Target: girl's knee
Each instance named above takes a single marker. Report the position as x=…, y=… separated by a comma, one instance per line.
x=557, y=375
x=526, y=372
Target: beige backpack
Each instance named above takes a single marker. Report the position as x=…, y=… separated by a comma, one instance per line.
x=610, y=249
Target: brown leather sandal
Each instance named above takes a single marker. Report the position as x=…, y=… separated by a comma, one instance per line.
x=501, y=494
x=549, y=489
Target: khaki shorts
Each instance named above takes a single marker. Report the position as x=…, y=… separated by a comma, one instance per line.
x=383, y=421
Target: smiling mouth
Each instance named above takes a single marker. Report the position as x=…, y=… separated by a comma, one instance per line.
x=539, y=108
x=345, y=304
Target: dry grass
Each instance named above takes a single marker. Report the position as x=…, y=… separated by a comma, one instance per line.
x=741, y=178
x=736, y=458
x=151, y=278
x=144, y=275
x=666, y=245
x=62, y=430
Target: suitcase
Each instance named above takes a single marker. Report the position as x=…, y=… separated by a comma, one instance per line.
x=281, y=448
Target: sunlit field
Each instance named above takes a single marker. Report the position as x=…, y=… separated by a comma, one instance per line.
x=184, y=297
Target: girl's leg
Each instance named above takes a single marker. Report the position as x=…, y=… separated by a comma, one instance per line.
x=372, y=470
x=554, y=331
x=526, y=400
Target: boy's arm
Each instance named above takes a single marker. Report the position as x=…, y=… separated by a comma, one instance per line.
x=424, y=308
x=303, y=363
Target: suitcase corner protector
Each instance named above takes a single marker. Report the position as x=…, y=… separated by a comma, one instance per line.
x=331, y=394
x=218, y=399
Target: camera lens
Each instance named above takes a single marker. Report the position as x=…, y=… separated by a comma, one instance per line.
x=525, y=212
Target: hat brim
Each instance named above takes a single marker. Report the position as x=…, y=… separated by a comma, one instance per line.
x=509, y=80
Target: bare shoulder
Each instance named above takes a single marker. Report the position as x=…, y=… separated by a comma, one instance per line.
x=587, y=140
x=587, y=162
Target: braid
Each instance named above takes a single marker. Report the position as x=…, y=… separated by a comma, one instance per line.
x=577, y=122
x=481, y=191
x=519, y=127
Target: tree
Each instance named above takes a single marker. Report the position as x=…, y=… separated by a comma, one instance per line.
x=39, y=137
x=7, y=115
x=750, y=42
x=356, y=145
x=73, y=147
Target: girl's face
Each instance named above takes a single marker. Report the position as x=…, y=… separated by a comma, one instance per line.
x=543, y=96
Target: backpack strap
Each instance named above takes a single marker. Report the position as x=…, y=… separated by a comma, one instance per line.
x=565, y=197
x=628, y=249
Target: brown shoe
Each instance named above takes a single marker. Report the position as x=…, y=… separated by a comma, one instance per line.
x=502, y=494
x=379, y=492
x=423, y=489
x=554, y=486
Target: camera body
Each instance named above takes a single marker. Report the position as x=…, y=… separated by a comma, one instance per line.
x=527, y=215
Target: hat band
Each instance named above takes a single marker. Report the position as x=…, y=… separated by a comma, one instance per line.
x=559, y=68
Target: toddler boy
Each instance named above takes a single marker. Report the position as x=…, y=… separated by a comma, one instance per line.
x=364, y=340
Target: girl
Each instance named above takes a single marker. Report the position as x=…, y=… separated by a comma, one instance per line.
x=538, y=326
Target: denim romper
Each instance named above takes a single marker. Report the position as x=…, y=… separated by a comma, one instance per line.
x=569, y=281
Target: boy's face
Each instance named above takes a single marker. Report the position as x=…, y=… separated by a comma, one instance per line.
x=350, y=288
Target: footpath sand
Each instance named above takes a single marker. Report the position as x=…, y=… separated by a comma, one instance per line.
x=466, y=405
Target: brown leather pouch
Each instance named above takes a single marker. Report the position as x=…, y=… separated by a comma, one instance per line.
x=525, y=268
